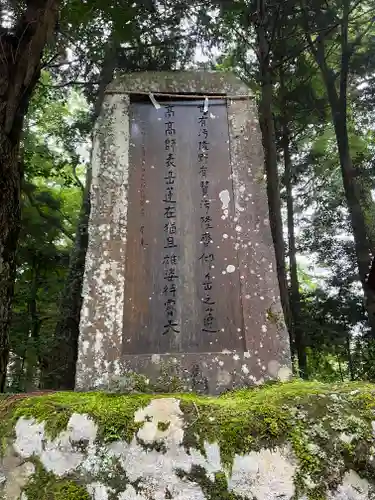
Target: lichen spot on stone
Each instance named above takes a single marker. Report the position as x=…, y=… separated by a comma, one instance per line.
x=98, y=491
x=155, y=358
x=273, y=368
x=284, y=373
x=131, y=494
x=61, y=455
x=245, y=369
x=224, y=198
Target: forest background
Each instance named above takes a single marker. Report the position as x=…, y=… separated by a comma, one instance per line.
x=310, y=65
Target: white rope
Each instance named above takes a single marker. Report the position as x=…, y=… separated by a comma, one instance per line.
x=205, y=109
x=154, y=101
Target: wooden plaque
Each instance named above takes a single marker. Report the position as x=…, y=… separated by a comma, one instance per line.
x=182, y=285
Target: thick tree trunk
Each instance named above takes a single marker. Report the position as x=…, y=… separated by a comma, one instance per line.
x=10, y=181
x=295, y=298
x=21, y=52
x=273, y=185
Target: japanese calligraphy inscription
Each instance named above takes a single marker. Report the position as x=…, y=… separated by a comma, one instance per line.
x=182, y=285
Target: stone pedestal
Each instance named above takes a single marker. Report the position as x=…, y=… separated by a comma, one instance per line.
x=180, y=271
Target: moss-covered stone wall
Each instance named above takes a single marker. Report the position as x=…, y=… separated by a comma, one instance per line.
x=284, y=441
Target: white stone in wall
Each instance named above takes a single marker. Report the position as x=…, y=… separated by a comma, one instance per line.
x=17, y=480
x=98, y=491
x=130, y=494
x=267, y=474
x=166, y=411
x=29, y=437
x=59, y=455
x=353, y=487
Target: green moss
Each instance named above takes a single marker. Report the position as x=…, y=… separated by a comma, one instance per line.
x=302, y=416
x=158, y=446
x=170, y=379
x=7, y=404
x=163, y=426
x=275, y=317
x=45, y=486
x=243, y=420
x=213, y=490
x=129, y=383
x=114, y=414
x=116, y=480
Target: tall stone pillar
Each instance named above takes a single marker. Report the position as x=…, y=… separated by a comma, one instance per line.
x=180, y=270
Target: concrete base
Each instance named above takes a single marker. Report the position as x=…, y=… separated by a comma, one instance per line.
x=208, y=373
x=205, y=373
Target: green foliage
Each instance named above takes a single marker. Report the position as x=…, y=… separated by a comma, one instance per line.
x=92, y=42
x=51, y=199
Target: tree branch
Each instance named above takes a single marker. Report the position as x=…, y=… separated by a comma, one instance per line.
x=46, y=217
x=69, y=83
x=345, y=58
x=80, y=185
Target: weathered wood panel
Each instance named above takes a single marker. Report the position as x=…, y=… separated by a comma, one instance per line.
x=182, y=286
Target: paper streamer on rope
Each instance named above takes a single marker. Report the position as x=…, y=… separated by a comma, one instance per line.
x=205, y=108
x=154, y=101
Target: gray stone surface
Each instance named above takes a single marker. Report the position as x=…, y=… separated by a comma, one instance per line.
x=138, y=470
x=102, y=354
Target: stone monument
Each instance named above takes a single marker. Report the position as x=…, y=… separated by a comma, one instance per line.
x=180, y=270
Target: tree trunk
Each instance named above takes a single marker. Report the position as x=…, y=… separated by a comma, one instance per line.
x=10, y=181
x=34, y=326
x=61, y=368
x=295, y=298
x=352, y=193
x=16, y=379
x=340, y=368
x=362, y=245
x=338, y=103
x=273, y=187
x=350, y=358
x=21, y=52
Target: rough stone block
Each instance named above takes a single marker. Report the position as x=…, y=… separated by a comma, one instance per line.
x=293, y=441
x=180, y=268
